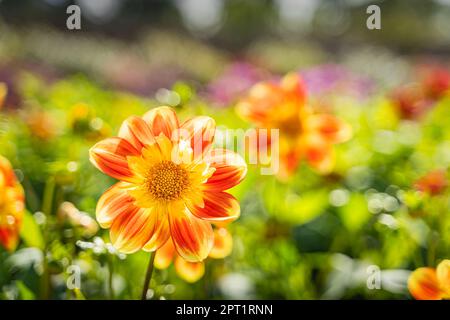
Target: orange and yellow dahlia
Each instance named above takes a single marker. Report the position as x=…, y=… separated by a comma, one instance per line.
x=11, y=206
x=172, y=184
x=303, y=134
x=194, y=271
x=431, y=283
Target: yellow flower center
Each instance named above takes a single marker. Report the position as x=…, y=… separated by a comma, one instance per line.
x=167, y=181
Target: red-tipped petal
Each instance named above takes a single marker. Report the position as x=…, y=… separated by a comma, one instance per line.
x=162, y=120
x=112, y=203
x=200, y=132
x=132, y=230
x=136, y=131
x=218, y=207
x=110, y=157
x=193, y=238
x=230, y=169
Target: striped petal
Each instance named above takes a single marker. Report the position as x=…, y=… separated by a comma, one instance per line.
x=230, y=169
x=110, y=157
x=161, y=231
x=423, y=284
x=193, y=238
x=218, y=207
x=189, y=271
x=137, y=132
x=112, y=203
x=132, y=230
x=200, y=132
x=162, y=120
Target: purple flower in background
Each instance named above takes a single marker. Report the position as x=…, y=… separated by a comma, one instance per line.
x=331, y=78
x=237, y=78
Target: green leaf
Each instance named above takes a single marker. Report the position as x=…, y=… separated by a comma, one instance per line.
x=24, y=292
x=293, y=208
x=355, y=213
x=31, y=233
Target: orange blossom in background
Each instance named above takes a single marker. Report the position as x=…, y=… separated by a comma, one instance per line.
x=12, y=206
x=303, y=134
x=431, y=283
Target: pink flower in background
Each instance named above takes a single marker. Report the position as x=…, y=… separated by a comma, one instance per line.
x=329, y=78
x=237, y=78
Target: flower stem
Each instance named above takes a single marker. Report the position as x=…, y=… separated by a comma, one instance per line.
x=110, y=276
x=148, y=276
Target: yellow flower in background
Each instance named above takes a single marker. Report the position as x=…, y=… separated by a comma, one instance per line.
x=430, y=283
x=194, y=271
x=172, y=185
x=83, y=121
x=12, y=206
x=304, y=135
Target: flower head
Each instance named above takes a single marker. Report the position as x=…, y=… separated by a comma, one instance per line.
x=11, y=206
x=193, y=271
x=430, y=283
x=303, y=134
x=173, y=184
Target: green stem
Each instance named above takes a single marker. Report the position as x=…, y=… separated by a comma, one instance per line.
x=47, y=206
x=148, y=276
x=110, y=277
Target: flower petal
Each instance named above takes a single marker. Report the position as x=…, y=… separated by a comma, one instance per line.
x=319, y=153
x=218, y=207
x=443, y=276
x=161, y=231
x=9, y=237
x=110, y=157
x=7, y=176
x=329, y=127
x=162, y=120
x=113, y=202
x=200, y=132
x=223, y=244
x=230, y=169
x=193, y=238
x=136, y=131
x=164, y=255
x=130, y=231
x=189, y=271
x=423, y=284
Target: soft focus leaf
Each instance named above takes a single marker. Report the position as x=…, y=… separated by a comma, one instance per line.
x=31, y=232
